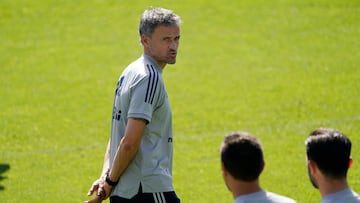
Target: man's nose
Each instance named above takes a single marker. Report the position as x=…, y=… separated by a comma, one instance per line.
x=173, y=45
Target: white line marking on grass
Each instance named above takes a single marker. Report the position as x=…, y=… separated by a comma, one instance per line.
x=51, y=151
x=302, y=125
x=293, y=126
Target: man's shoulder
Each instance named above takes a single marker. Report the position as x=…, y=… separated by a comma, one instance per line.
x=141, y=66
x=347, y=195
x=351, y=197
x=279, y=198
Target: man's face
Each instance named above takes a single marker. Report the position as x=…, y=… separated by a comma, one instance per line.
x=163, y=44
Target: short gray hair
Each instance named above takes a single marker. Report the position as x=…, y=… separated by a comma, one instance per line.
x=154, y=16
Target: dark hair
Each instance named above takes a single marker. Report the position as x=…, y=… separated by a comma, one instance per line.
x=242, y=156
x=154, y=17
x=330, y=150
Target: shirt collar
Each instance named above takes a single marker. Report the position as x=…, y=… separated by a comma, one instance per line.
x=244, y=198
x=152, y=60
x=330, y=197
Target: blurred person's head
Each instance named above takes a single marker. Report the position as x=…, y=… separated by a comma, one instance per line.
x=328, y=152
x=241, y=157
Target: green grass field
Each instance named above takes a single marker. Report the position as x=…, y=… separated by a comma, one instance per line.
x=276, y=68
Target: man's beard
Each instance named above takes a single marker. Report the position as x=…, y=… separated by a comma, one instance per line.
x=312, y=180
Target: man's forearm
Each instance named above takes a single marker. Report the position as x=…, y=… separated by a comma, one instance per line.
x=122, y=159
x=127, y=148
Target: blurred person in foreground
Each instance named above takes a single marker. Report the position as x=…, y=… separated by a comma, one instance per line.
x=328, y=160
x=138, y=160
x=242, y=162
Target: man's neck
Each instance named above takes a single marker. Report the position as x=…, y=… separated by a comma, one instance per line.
x=160, y=64
x=332, y=186
x=239, y=188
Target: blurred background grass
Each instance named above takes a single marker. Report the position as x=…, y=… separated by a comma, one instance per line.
x=278, y=69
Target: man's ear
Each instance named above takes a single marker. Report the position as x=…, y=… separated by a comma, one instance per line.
x=312, y=166
x=350, y=162
x=223, y=169
x=144, y=39
x=263, y=166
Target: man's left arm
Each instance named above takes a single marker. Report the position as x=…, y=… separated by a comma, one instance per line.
x=126, y=150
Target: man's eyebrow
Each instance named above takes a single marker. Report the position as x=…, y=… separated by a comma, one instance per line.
x=168, y=37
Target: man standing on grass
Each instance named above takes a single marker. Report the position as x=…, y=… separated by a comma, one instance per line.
x=242, y=162
x=138, y=160
x=328, y=160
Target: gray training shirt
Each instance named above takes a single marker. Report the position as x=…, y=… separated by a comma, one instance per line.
x=141, y=93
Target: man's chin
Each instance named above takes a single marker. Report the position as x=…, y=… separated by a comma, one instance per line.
x=171, y=61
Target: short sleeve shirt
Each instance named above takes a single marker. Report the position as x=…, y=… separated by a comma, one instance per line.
x=263, y=197
x=346, y=195
x=140, y=93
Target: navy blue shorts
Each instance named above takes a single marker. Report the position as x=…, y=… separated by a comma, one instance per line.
x=157, y=197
